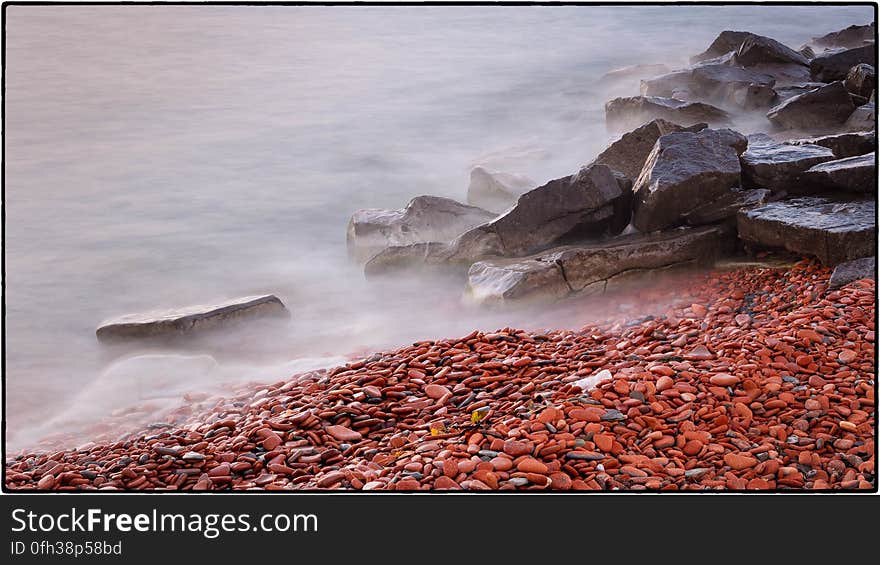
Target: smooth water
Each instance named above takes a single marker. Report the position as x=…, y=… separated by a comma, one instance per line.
x=165, y=155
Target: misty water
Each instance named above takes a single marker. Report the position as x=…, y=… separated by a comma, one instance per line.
x=159, y=156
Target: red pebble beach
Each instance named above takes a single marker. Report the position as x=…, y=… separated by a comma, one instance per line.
x=765, y=382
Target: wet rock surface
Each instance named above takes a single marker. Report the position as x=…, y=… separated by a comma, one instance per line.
x=424, y=219
x=843, y=145
x=835, y=231
x=861, y=80
x=824, y=108
x=836, y=65
x=726, y=42
x=779, y=166
x=851, y=271
x=590, y=268
x=852, y=36
x=726, y=206
x=692, y=400
x=757, y=49
x=190, y=320
x=853, y=174
x=623, y=114
x=683, y=172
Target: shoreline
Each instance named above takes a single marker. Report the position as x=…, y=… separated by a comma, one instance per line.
x=761, y=384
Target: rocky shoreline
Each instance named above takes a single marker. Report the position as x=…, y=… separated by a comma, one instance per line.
x=754, y=378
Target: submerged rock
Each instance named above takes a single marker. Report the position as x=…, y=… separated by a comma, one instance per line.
x=778, y=166
x=496, y=191
x=757, y=49
x=861, y=80
x=592, y=202
x=425, y=219
x=190, y=319
x=590, y=268
x=851, y=271
x=834, y=231
x=843, y=145
x=627, y=154
x=853, y=36
x=824, y=108
x=836, y=66
x=853, y=174
x=683, y=172
x=627, y=113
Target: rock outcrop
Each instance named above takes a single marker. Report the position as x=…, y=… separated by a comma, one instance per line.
x=778, y=166
x=726, y=42
x=757, y=50
x=628, y=153
x=836, y=65
x=843, y=145
x=821, y=109
x=851, y=271
x=425, y=219
x=684, y=171
x=835, y=231
x=191, y=319
x=853, y=36
x=623, y=114
x=590, y=268
x=496, y=191
x=853, y=174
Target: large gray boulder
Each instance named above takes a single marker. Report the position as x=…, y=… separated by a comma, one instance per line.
x=843, y=145
x=593, y=202
x=851, y=271
x=674, y=84
x=832, y=230
x=853, y=36
x=628, y=153
x=835, y=66
x=684, y=171
x=496, y=191
x=590, y=268
x=726, y=206
x=424, y=219
x=853, y=174
x=735, y=86
x=191, y=319
x=726, y=42
x=778, y=166
x=861, y=80
x=757, y=50
x=821, y=109
x=862, y=118
x=622, y=114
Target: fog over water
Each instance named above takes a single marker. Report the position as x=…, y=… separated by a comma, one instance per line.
x=159, y=156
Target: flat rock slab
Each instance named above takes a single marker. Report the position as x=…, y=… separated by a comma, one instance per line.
x=623, y=114
x=190, y=319
x=843, y=145
x=836, y=66
x=424, y=219
x=851, y=271
x=586, y=269
x=853, y=174
x=832, y=230
x=824, y=108
x=778, y=166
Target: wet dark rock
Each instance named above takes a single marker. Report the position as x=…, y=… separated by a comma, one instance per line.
x=835, y=66
x=424, y=219
x=862, y=118
x=834, y=231
x=590, y=268
x=628, y=113
x=778, y=166
x=726, y=206
x=757, y=49
x=861, y=80
x=684, y=171
x=853, y=36
x=853, y=174
x=843, y=145
x=783, y=93
x=628, y=153
x=824, y=108
x=851, y=271
x=726, y=42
